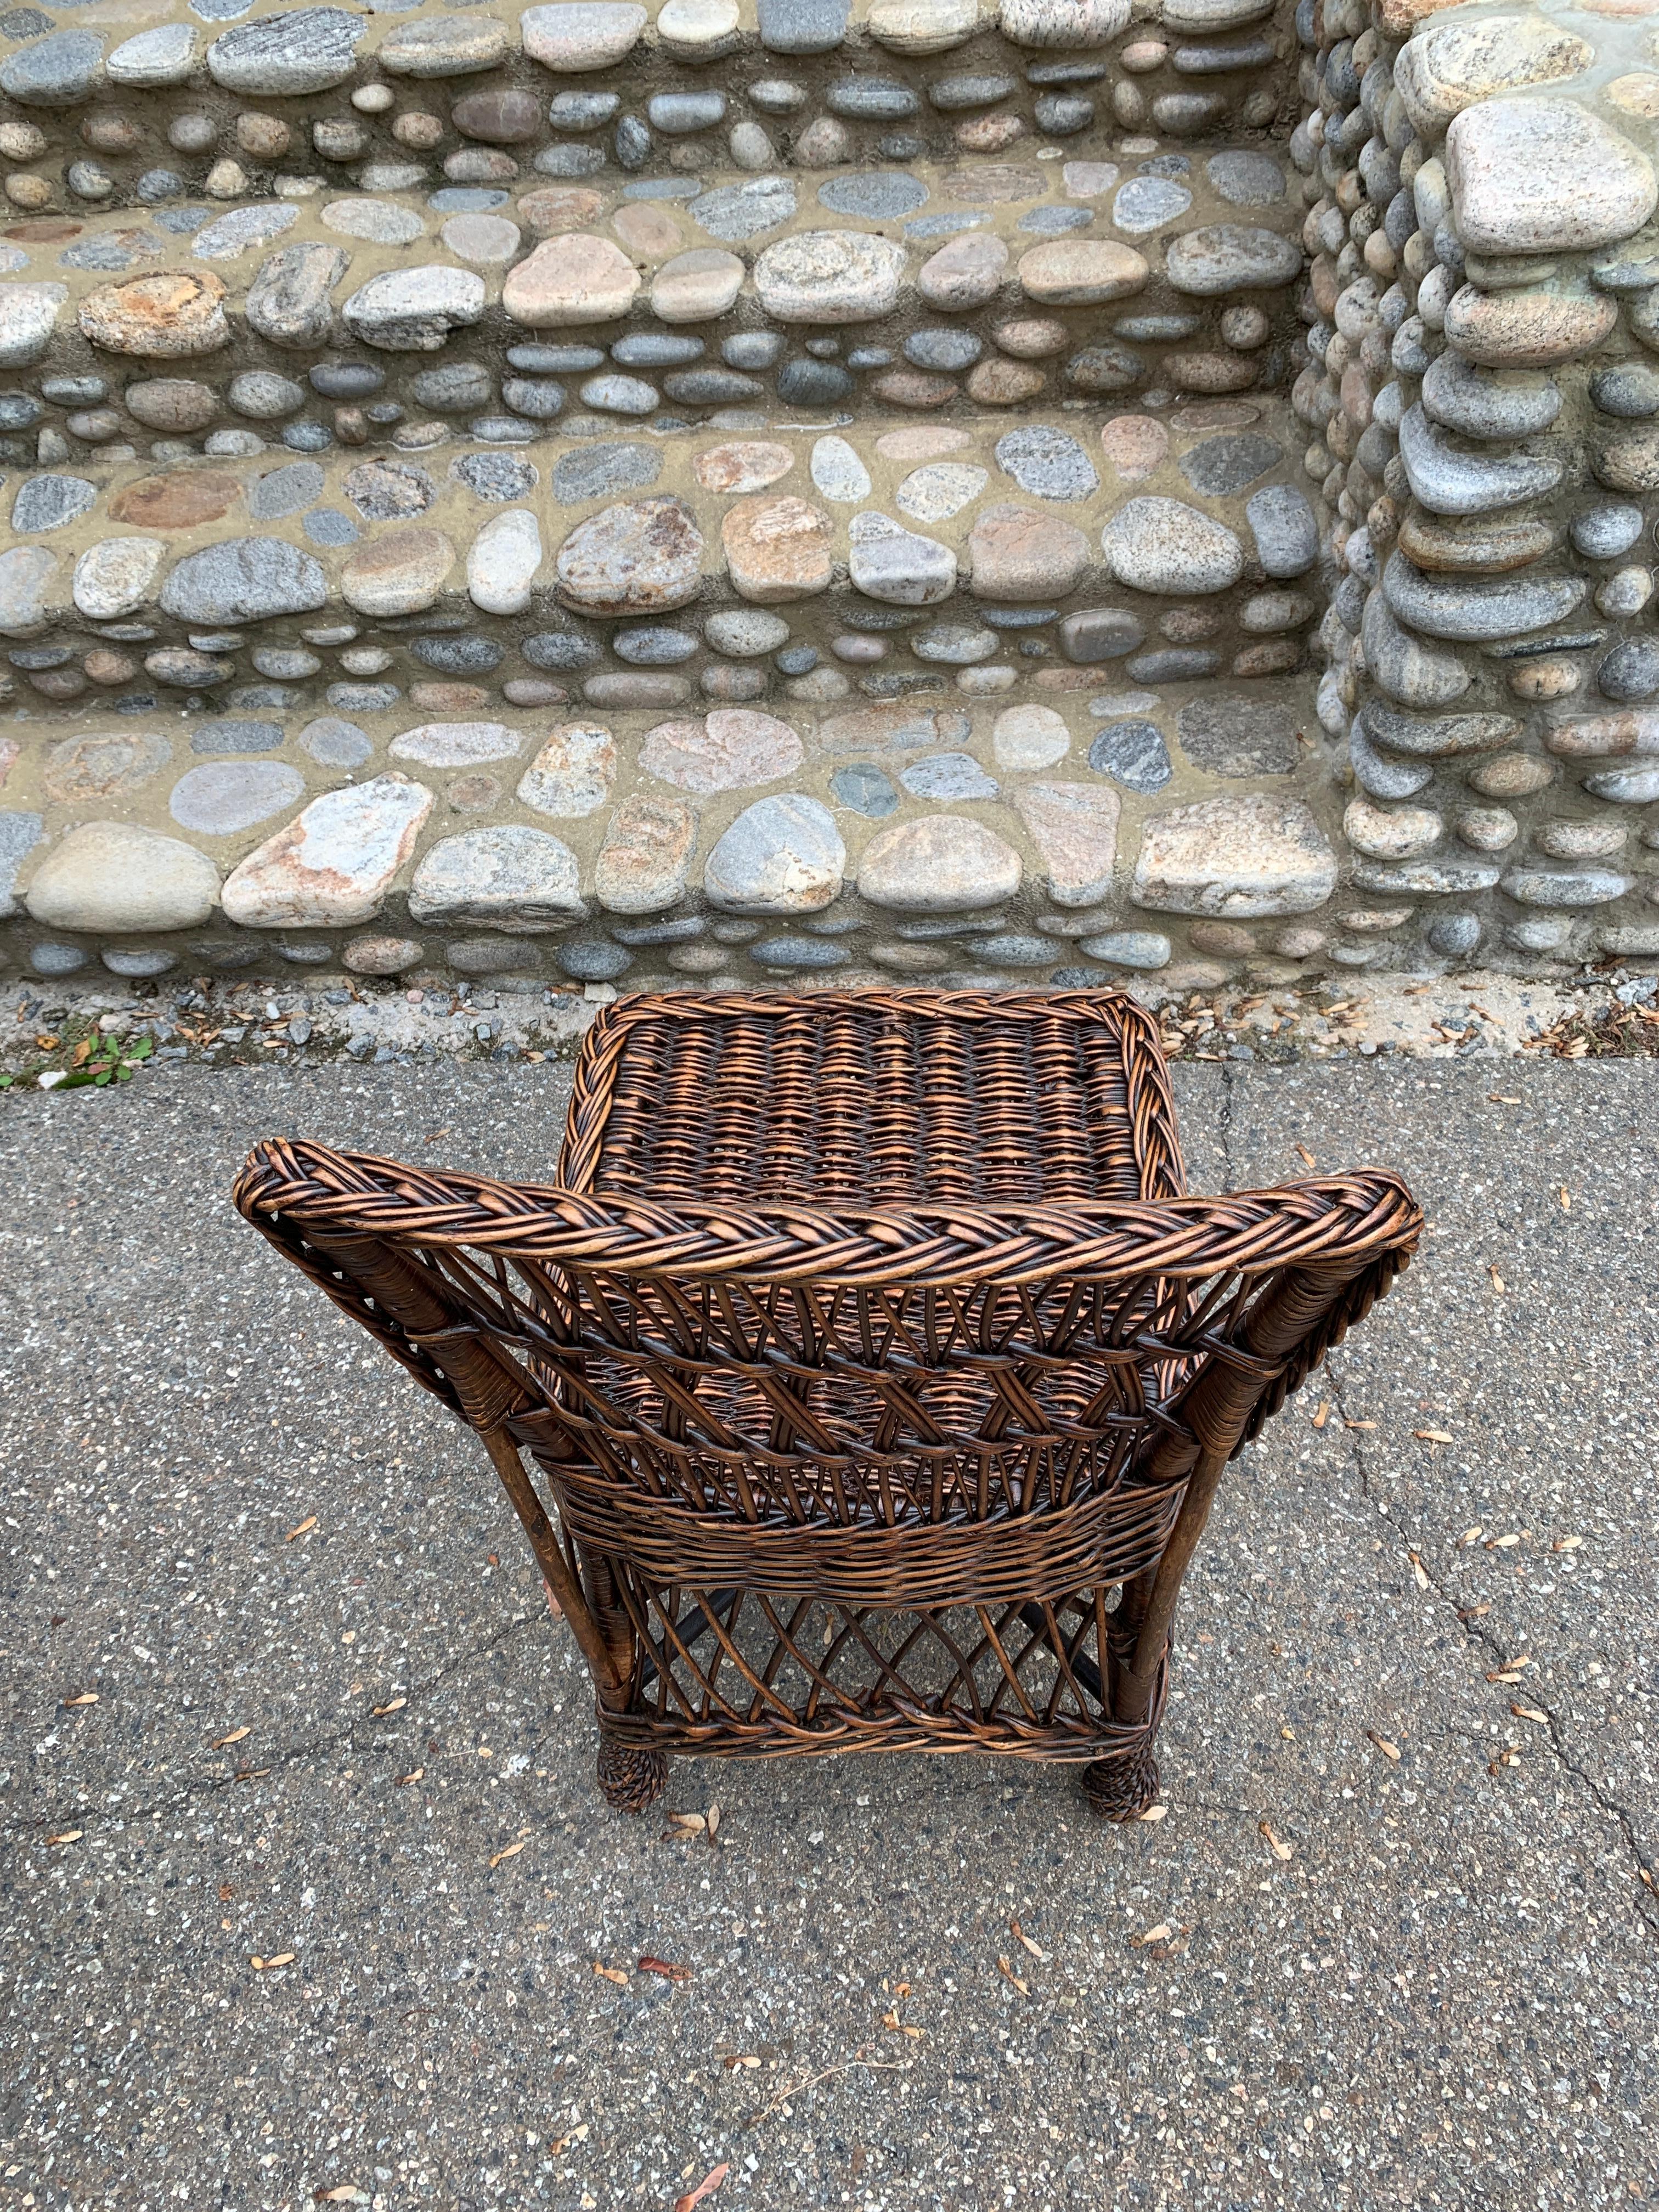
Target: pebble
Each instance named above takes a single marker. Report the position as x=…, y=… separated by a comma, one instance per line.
x=830, y=276
x=1079, y=272
x=734, y=748
x=1069, y=25
x=289, y=301
x=1544, y=176
x=221, y=798
x=1527, y=329
x=642, y=865
x=1239, y=737
x=1032, y=737
x=1627, y=389
x=1048, y=464
x=965, y=273
x=162, y=316
x=1135, y=445
x=1163, y=545
x=1134, y=754
x=47, y=502
x=59, y=71
x=1602, y=533
x=697, y=285
x=1448, y=481
x=381, y=491
x=441, y=45
x=511, y=878
x=782, y=855
x=621, y=395
x=802, y=26
x=1221, y=466
x=643, y=557
x=1478, y=612
x=1146, y=203
x=778, y=549
x=400, y=572
x=303, y=50
x=109, y=878
x=736, y=212
x=1243, y=858
x=813, y=384
x=929, y=495
x=864, y=790
x=573, y=278
x=940, y=863
x=244, y=580
x=1020, y=554
x=1244, y=179
x=112, y=577
x=678, y=113
x=154, y=58
x=838, y=472
x=1228, y=256
x=495, y=476
x=897, y=566
x=871, y=99
x=876, y=195
x=502, y=563
x=573, y=773
x=581, y=35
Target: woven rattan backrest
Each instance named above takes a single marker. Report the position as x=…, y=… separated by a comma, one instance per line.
x=792, y=1392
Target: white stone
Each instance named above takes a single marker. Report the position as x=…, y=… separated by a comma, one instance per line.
x=415, y=310
x=457, y=745
x=333, y=866
x=1544, y=176
x=114, y=876
x=511, y=878
x=922, y=26
x=502, y=563
x=1163, y=545
x=831, y=277
x=164, y=55
x=1446, y=67
x=782, y=855
x=584, y=35
x=573, y=773
x=898, y=566
x=942, y=863
x=839, y=473
x=1242, y=859
x=28, y=314
x=1030, y=737
x=114, y=577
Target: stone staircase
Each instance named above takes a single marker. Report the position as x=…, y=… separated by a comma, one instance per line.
x=757, y=493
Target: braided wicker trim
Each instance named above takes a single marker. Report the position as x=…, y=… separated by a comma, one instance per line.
x=1330, y=1220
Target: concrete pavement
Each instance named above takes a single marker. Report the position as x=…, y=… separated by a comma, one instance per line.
x=337, y=1731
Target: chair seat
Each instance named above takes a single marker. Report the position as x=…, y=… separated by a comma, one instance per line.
x=874, y=1098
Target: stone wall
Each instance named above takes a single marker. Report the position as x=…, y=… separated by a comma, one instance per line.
x=774, y=490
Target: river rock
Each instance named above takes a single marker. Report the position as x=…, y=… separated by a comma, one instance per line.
x=1447, y=67
x=163, y=318
x=59, y=71
x=1544, y=176
x=115, y=877
x=1230, y=257
x=942, y=864
x=830, y=276
x=243, y=579
x=732, y=750
x=647, y=854
x=334, y=863
x=501, y=565
x=582, y=34
x=299, y=50
x=1082, y=272
x=289, y=301
x=777, y=549
x=1074, y=828
x=1478, y=612
x=643, y=557
x=415, y=310
x=782, y=855
x=573, y=772
x=898, y=566
x=1163, y=545
x=1244, y=859
x=575, y=278
x=1021, y=555
x=28, y=315
x=398, y=573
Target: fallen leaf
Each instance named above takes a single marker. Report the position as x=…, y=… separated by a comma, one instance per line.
x=705, y=2187
x=236, y=1736
x=1433, y=1435
x=1161, y=1934
x=1008, y=1975
x=1280, y=1848
x=693, y=1824
x=610, y=1974
x=713, y=1822
x=1496, y=1281
x=738, y=2058
x=86, y=1697
x=1503, y=1543
x=1154, y=1813
x=263, y=1965
x=67, y=1836
x=1565, y=1197
x=1359, y=1424
x=395, y=1706
x=1566, y=1543
x=1323, y=1414
x=414, y=1775
x=1419, y=1569
x=1499, y=1098
x=1389, y=1750
x=670, y=1973
x=1307, y=1155
x=1529, y=1713
x=510, y=1851
x=891, y=2021
x=560, y=2144
x=1020, y=1936
x=309, y=1523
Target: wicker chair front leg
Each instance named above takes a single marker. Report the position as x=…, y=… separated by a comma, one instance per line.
x=631, y=1780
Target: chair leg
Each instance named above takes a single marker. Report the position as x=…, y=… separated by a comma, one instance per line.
x=1122, y=1789
x=630, y=1781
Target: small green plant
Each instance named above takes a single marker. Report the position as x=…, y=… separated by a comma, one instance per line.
x=100, y=1060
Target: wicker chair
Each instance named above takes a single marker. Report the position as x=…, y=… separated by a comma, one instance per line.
x=880, y=1370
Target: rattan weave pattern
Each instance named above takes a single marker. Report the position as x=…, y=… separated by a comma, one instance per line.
x=879, y=1369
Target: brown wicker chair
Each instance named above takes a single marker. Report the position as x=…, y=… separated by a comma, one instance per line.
x=879, y=1369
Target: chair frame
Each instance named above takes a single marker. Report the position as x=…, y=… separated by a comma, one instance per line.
x=689, y=1374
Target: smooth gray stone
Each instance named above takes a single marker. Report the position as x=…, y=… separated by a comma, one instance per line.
x=952, y=94
x=1099, y=634
x=1284, y=529
x=1567, y=887
x=1627, y=389
x=803, y=27
x=1013, y=948
x=1630, y=673
x=1625, y=786
x=1403, y=665
x=877, y=194
x=1425, y=878
x=569, y=162
x=499, y=477
x=1449, y=483
x=710, y=388
x=1048, y=464
x=1221, y=466
x=1156, y=330
x=1067, y=68
x=798, y=953
x=632, y=143
x=301, y=50
x=1602, y=533
x=1055, y=221
x=1455, y=936
x=1063, y=114
x=456, y=388
x=538, y=398
x=947, y=349
x=555, y=360
x=1443, y=737
x=562, y=650
x=864, y=788
x=654, y=646
x=582, y=111
x=752, y=349
x=285, y=491
x=949, y=776
x=655, y=350
x=1105, y=367
x=676, y=114
x=1380, y=777
x=1246, y=180
x=59, y=71
x=803, y=383
x=1174, y=663
x=601, y=470
x=1219, y=59
x=1146, y=204
x=1632, y=267
x=244, y=580
x=1132, y=754
x=593, y=959
x=458, y=656
x=1478, y=612
x=232, y=736
x=1235, y=736
x=48, y=502
x=871, y=99
x=734, y=212
x=1485, y=402
x=345, y=379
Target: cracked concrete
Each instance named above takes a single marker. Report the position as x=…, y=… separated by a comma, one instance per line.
x=336, y=1731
